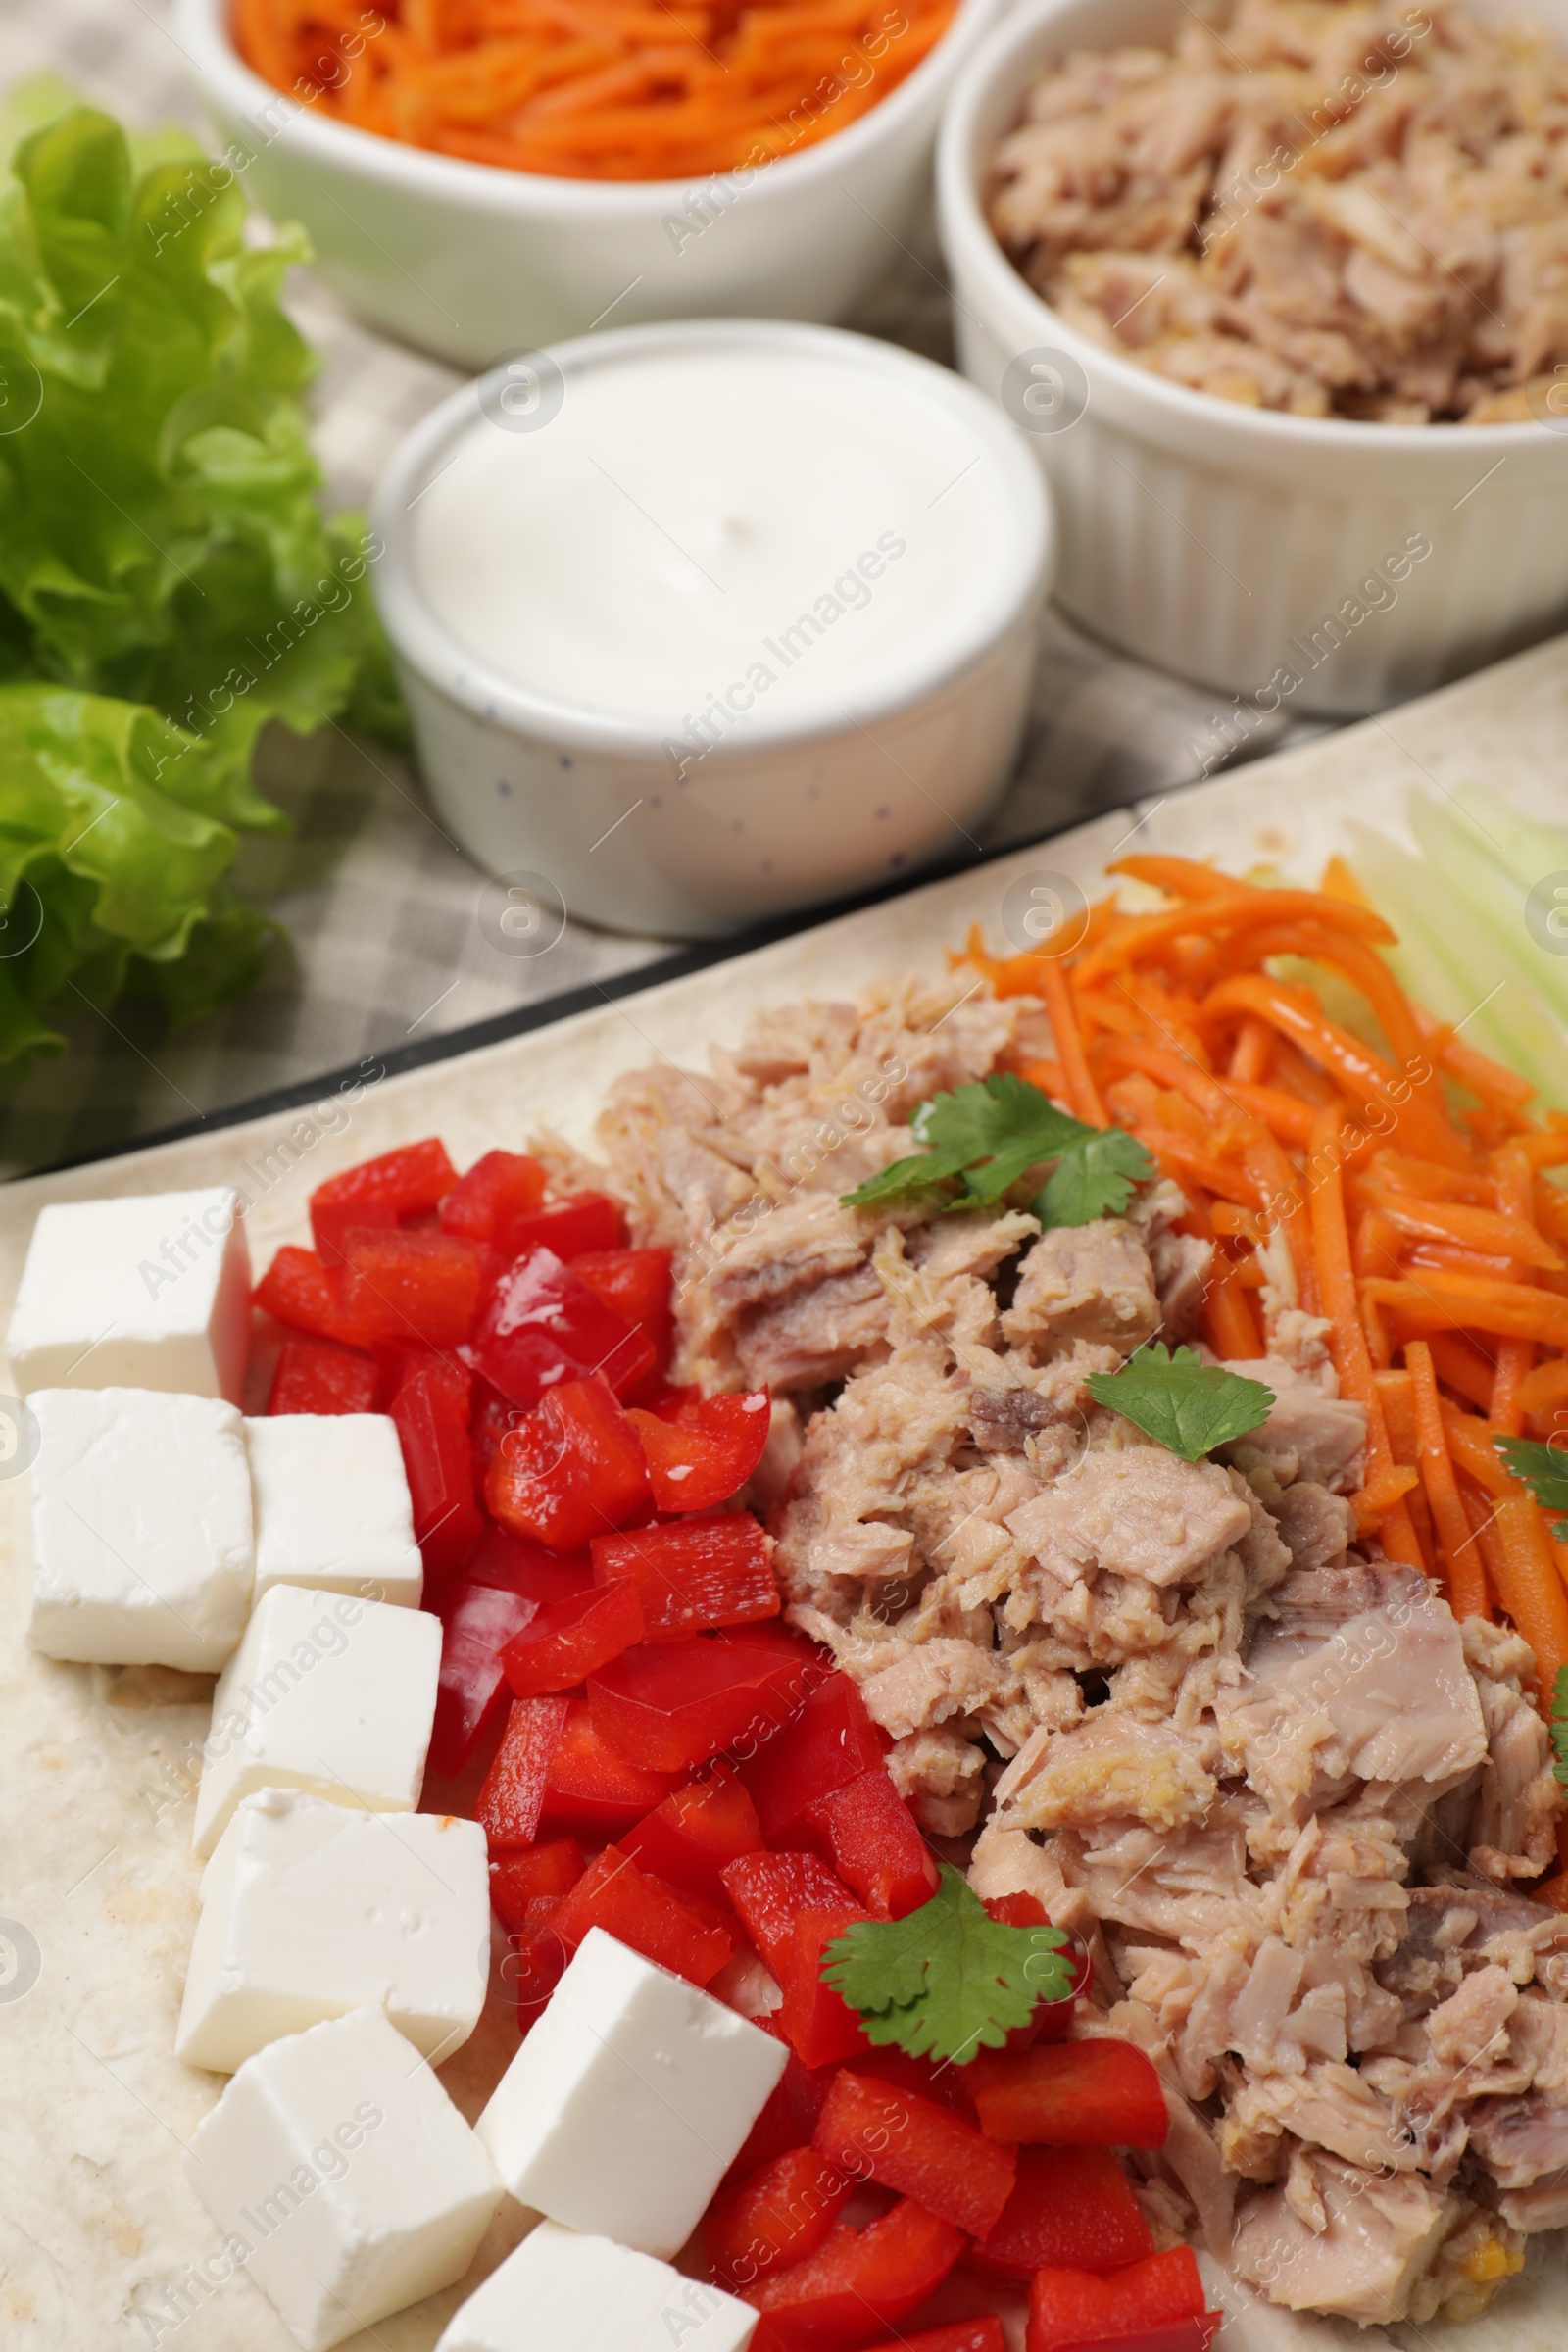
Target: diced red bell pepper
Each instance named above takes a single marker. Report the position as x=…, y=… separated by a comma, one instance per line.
x=490, y=1417
x=666, y=1706
x=379, y=1192
x=472, y=1685
x=669, y=1403
x=792, y=1907
x=872, y=1842
x=1051, y=2021
x=704, y=1457
x=769, y=1892
x=775, y=2217
x=541, y=1324
x=640, y=1910
x=636, y=1283
x=572, y=1469
x=520, y=1881
x=830, y=1741
x=523, y=1566
x=312, y=1376
x=928, y=2078
x=981, y=2334
x=485, y=1202
x=696, y=1833
x=816, y=2022
x=573, y=1225
x=408, y=1286
x=788, y=2119
x=1068, y=2307
x=693, y=1573
x=567, y=1640
x=1070, y=2095
x=512, y=1798
x=923, y=2150
x=295, y=1289
x=431, y=1419
x=533, y=1968
x=590, y=1788
x=1072, y=2209
x=856, y=2281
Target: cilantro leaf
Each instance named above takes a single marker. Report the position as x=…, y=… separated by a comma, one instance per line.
x=1188, y=1405
x=1558, y=1721
x=1094, y=1178
x=1543, y=1470
x=902, y=1181
x=988, y=1133
x=946, y=1980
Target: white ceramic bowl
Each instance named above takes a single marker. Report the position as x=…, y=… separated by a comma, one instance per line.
x=786, y=812
x=474, y=262
x=1236, y=545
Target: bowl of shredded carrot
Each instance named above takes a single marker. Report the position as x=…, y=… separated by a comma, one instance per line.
x=484, y=177
x=1401, y=1189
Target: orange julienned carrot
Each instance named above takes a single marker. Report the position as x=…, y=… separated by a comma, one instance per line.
x=1230, y=1326
x=1544, y=1388
x=1448, y=1302
x=1516, y=1201
x=1252, y=1051
x=596, y=89
x=1352, y=1358
x=1461, y=1366
x=1457, y=1555
x=1081, y=1091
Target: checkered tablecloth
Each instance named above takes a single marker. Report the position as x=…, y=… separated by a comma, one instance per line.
x=379, y=906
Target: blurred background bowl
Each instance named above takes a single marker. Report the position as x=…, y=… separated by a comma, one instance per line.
x=1225, y=541
x=473, y=262
x=786, y=812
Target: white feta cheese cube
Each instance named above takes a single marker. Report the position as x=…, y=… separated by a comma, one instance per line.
x=559, y=2292
x=629, y=2100
x=339, y=2161
x=310, y=1910
x=147, y=1293
x=327, y=1693
x=332, y=1507
x=141, y=1528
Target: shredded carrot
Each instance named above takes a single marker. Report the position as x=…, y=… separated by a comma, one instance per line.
x=1516, y=1200
x=1467, y=1302
x=1230, y=1326
x=594, y=90
x=1082, y=1093
x=1352, y=1358
x=1252, y=1051
x=1460, y=1560
x=1461, y=1366
x=1047, y=1075
x=1539, y=1393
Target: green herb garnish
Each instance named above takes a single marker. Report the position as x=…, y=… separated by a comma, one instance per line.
x=946, y=1980
x=167, y=582
x=1188, y=1405
x=981, y=1138
x=1543, y=1470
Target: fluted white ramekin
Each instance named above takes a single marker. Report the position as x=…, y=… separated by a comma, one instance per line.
x=1233, y=545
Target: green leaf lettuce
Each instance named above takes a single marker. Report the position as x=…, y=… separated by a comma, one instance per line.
x=167, y=582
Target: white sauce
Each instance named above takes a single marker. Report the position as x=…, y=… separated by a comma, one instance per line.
x=776, y=531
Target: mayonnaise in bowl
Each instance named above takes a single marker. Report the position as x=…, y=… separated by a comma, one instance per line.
x=746, y=576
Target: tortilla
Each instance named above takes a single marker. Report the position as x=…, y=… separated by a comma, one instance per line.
x=102, y=2241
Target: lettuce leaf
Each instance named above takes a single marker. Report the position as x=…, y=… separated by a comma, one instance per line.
x=167, y=581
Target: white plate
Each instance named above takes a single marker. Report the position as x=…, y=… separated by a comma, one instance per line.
x=96, y=2222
